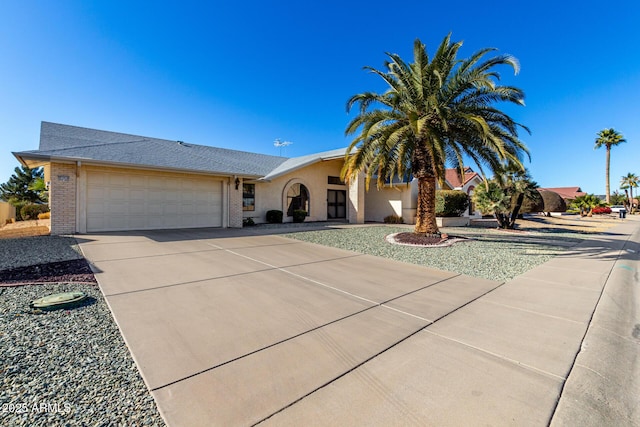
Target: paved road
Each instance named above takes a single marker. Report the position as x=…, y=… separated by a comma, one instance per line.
x=229, y=328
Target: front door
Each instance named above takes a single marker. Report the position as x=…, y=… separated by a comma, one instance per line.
x=336, y=204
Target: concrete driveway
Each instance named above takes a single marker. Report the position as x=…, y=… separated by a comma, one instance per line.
x=229, y=328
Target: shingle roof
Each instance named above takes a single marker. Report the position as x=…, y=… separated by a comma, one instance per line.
x=59, y=141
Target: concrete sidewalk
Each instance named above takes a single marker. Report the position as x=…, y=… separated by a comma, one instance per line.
x=233, y=329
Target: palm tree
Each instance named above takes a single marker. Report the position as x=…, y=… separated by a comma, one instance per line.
x=432, y=114
x=630, y=181
x=504, y=195
x=586, y=204
x=608, y=138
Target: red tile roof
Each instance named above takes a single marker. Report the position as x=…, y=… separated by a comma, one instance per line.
x=452, y=177
x=566, y=192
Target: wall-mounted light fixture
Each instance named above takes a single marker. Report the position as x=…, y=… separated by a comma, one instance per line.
x=237, y=182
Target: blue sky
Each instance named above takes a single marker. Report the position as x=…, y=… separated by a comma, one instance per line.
x=241, y=74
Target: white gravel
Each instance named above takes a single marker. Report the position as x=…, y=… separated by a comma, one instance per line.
x=492, y=254
x=27, y=251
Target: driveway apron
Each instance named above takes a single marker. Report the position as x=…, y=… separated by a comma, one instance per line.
x=229, y=328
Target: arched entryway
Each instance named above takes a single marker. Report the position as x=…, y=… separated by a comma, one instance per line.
x=297, y=198
x=472, y=207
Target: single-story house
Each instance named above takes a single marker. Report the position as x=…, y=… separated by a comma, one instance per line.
x=108, y=181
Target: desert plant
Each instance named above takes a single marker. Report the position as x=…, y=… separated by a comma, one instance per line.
x=601, y=210
x=31, y=211
x=248, y=222
x=504, y=195
x=451, y=203
x=586, y=203
x=299, y=215
x=393, y=219
x=44, y=215
x=274, y=216
x=491, y=199
x=435, y=111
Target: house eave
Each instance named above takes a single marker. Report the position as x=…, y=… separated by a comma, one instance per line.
x=36, y=160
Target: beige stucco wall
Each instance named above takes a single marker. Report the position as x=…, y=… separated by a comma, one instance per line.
x=273, y=195
x=385, y=201
x=6, y=212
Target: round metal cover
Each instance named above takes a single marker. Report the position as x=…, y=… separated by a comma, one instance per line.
x=58, y=300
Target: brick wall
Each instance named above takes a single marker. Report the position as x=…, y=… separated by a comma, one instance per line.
x=62, y=198
x=235, y=205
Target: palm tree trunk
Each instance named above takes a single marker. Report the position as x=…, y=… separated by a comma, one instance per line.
x=607, y=173
x=426, y=212
x=516, y=211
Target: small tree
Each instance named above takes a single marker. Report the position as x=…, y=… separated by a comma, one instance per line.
x=492, y=199
x=619, y=199
x=25, y=186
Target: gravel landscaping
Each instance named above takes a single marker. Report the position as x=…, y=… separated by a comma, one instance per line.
x=72, y=367
x=489, y=254
x=65, y=366
x=36, y=250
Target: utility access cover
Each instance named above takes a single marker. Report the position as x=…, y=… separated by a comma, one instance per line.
x=58, y=300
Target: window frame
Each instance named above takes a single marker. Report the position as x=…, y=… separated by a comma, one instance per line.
x=248, y=196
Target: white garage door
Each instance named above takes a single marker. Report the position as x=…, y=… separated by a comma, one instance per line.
x=142, y=201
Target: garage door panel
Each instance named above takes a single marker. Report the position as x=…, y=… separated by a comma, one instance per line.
x=134, y=201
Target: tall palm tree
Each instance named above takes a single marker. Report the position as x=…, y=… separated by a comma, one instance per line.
x=432, y=114
x=608, y=138
x=630, y=181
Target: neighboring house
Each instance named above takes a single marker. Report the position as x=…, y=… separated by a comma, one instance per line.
x=567, y=193
x=108, y=181
x=471, y=181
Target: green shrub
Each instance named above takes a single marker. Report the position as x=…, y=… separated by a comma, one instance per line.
x=393, y=219
x=299, y=215
x=45, y=215
x=248, y=222
x=31, y=211
x=451, y=203
x=274, y=217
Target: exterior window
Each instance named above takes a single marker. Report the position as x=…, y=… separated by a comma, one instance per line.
x=334, y=180
x=297, y=198
x=248, y=197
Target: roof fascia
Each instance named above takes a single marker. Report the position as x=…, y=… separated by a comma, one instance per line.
x=21, y=156
x=269, y=177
